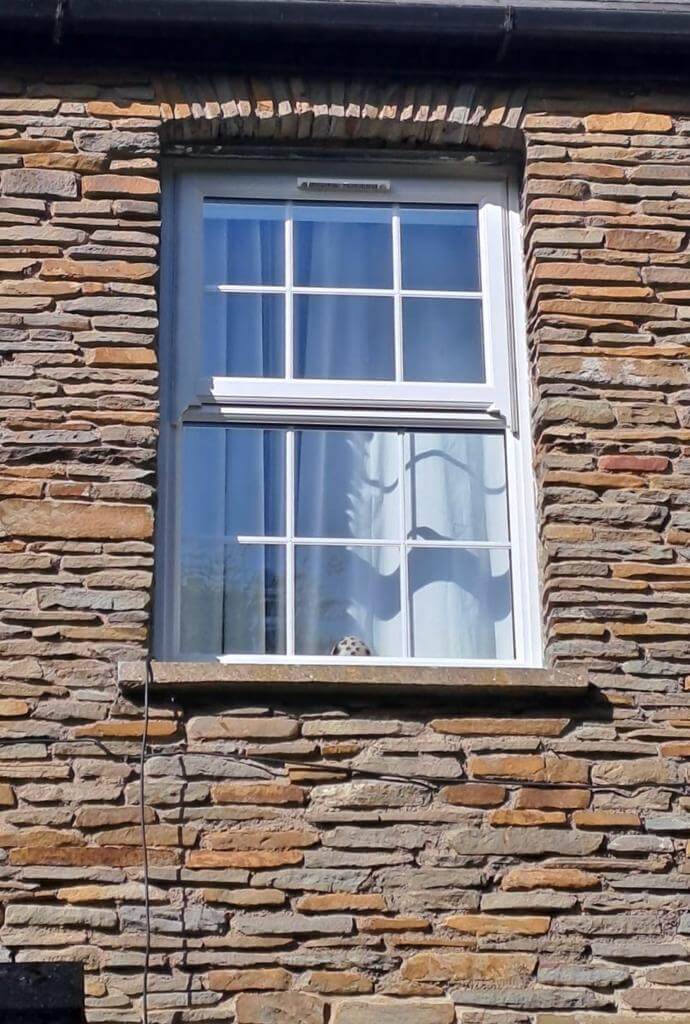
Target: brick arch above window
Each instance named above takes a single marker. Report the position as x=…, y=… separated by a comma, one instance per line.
x=220, y=109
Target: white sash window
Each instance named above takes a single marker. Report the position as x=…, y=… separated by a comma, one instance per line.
x=345, y=447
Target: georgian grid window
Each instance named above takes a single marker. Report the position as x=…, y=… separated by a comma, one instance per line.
x=346, y=445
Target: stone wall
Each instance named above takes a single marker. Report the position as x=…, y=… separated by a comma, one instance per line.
x=514, y=859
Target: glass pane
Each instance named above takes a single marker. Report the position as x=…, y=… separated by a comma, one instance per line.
x=346, y=484
x=347, y=591
x=442, y=340
x=232, y=598
x=344, y=337
x=244, y=243
x=232, y=482
x=440, y=249
x=455, y=486
x=343, y=246
x=243, y=335
x=461, y=603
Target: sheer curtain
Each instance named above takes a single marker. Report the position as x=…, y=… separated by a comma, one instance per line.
x=347, y=482
x=460, y=597
x=347, y=486
x=455, y=483
x=233, y=594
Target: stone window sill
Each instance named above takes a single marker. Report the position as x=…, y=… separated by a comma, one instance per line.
x=190, y=678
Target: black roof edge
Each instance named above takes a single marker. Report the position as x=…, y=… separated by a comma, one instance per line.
x=354, y=34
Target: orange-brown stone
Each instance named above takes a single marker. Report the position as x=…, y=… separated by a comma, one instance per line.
x=500, y=726
x=338, y=983
x=256, y=793
x=549, y=878
x=496, y=924
x=123, y=355
x=510, y=816
x=354, y=901
x=392, y=924
x=257, y=979
x=128, y=728
x=474, y=794
x=255, y=859
x=455, y=965
x=75, y=520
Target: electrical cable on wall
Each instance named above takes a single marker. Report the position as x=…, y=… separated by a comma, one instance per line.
x=433, y=784
x=144, y=849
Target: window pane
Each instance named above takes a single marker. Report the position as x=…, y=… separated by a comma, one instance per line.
x=347, y=591
x=455, y=486
x=243, y=335
x=244, y=243
x=346, y=484
x=343, y=246
x=232, y=482
x=344, y=337
x=461, y=603
x=232, y=598
x=442, y=340
x=440, y=250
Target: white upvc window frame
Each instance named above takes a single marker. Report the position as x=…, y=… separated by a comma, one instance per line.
x=500, y=404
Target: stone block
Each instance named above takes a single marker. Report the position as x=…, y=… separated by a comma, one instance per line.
x=636, y=240
x=260, y=979
x=293, y=924
x=353, y=902
x=251, y=859
x=338, y=983
x=474, y=794
x=223, y=727
x=257, y=793
x=406, y=837
x=549, y=878
x=75, y=520
x=548, y=798
x=500, y=726
x=280, y=1008
x=261, y=839
x=119, y=185
x=392, y=1011
x=534, y=998
x=629, y=122
x=22, y=181
x=497, y=924
x=379, y=925
x=638, y=771
x=523, y=841
x=457, y=965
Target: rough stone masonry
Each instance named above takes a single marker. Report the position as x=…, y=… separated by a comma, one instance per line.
x=341, y=857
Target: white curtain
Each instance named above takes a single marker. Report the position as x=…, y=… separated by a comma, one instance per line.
x=243, y=333
x=347, y=486
x=460, y=597
x=233, y=594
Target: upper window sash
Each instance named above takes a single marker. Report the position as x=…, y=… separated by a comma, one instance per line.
x=191, y=389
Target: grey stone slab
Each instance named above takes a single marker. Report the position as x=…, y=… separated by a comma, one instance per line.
x=293, y=924
x=523, y=841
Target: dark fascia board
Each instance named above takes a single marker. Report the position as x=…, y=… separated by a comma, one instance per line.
x=145, y=18
x=578, y=38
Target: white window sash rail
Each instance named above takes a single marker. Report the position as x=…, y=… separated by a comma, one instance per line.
x=344, y=393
